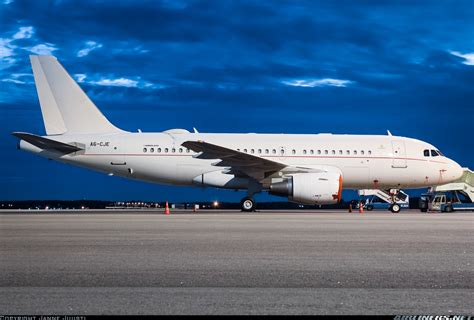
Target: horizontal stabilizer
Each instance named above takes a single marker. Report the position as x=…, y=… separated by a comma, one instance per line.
x=45, y=143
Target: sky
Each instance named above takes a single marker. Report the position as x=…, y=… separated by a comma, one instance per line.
x=356, y=67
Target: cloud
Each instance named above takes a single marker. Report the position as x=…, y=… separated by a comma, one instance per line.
x=7, y=46
x=19, y=75
x=116, y=82
x=13, y=81
x=80, y=77
x=120, y=82
x=19, y=78
x=90, y=45
x=7, y=1
x=43, y=49
x=6, y=50
x=24, y=33
x=311, y=83
x=468, y=57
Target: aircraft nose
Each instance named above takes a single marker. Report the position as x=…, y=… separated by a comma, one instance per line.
x=455, y=171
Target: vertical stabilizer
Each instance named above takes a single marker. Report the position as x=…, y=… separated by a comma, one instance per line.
x=65, y=107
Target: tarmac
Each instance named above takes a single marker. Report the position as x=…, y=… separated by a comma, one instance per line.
x=228, y=262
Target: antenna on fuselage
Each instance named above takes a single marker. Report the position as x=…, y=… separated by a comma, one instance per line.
x=389, y=133
x=195, y=130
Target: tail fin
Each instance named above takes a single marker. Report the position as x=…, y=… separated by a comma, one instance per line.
x=65, y=107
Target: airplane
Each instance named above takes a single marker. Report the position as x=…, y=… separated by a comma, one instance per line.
x=305, y=168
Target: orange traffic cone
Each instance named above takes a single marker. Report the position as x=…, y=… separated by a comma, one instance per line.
x=361, y=207
x=167, y=208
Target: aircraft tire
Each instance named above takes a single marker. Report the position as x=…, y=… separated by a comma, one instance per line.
x=248, y=204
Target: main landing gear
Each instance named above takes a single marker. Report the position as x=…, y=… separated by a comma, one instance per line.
x=248, y=204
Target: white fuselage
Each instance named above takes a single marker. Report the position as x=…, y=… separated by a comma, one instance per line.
x=306, y=168
x=366, y=161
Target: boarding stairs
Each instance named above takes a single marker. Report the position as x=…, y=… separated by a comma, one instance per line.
x=389, y=196
x=464, y=185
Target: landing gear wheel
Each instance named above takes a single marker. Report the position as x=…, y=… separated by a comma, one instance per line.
x=370, y=207
x=248, y=204
x=395, y=208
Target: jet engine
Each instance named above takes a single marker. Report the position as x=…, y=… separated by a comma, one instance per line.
x=310, y=188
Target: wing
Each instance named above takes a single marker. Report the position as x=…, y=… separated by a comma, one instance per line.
x=244, y=164
x=247, y=164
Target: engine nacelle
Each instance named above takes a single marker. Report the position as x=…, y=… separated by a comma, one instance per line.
x=219, y=179
x=310, y=188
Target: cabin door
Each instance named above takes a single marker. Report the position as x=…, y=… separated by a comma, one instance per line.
x=399, y=154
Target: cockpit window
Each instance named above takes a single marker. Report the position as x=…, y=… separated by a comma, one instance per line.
x=426, y=153
x=439, y=152
x=434, y=153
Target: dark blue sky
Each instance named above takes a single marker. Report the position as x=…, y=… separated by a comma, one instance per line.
x=357, y=67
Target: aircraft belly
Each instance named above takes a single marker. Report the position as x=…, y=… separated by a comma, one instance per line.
x=153, y=169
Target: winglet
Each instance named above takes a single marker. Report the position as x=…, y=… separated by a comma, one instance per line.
x=389, y=133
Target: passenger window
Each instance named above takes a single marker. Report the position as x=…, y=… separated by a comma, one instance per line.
x=319, y=151
x=326, y=152
x=370, y=152
x=152, y=149
x=304, y=151
x=340, y=151
x=144, y=149
x=434, y=153
x=245, y=150
x=426, y=153
x=311, y=151
x=180, y=150
x=293, y=151
x=173, y=150
x=362, y=152
x=355, y=151
x=187, y=150
x=259, y=151
x=158, y=150
x=166, y=150
x=348, y=151
x=274, y=151
x=333, y=152
x=252, y=151
x=266, y=151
